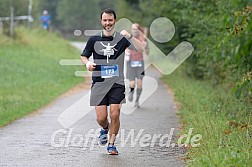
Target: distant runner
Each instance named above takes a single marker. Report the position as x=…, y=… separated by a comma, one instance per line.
x=135, y=65
x=45, y=19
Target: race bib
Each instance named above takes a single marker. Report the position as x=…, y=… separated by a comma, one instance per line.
x=109, y=71
x=136, y=63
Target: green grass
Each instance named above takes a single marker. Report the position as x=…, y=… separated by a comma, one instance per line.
x=223, y=121
x=30, y=73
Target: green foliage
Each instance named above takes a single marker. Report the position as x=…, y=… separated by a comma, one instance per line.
x=20, y=7
x=70, y=15
x=30, y=73
x=220, y=32
x=223, y=121
x=223, y=49
x=78, y=15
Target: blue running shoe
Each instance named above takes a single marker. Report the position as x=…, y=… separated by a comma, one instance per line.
x=103, y=138
x=112, y=150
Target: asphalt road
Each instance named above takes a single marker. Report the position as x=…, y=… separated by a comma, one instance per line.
x=64, y=133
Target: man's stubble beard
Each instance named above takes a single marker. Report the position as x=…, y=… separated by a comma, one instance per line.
x=110, y=29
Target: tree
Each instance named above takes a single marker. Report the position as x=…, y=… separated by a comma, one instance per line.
x=82, y=14
x=20, y=7
x=220, y=32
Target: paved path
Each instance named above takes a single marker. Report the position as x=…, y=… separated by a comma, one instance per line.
x=39, y=139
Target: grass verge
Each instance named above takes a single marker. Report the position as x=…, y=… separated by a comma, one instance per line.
x=223, y=121
x=30, y=73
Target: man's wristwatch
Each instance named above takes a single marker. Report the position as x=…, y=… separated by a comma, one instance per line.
x=130, y=36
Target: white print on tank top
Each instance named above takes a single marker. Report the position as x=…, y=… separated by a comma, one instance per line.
x=108, y=51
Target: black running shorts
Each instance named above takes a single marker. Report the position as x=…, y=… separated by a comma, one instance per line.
x=106, y=95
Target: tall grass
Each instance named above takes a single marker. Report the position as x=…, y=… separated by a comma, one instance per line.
x=223, y=121
x=30, y=73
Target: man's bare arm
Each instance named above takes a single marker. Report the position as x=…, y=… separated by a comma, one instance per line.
x=137, y=44
x=90, y=65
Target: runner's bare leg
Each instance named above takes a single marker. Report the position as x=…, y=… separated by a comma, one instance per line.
x=102, y=115
x=115, y=121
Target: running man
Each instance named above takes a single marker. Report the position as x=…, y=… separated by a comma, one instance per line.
x=108, y=88
x=135, y=65
x=45, y=19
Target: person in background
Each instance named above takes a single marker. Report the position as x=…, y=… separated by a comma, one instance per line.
x=45, y=19
x=135, y=65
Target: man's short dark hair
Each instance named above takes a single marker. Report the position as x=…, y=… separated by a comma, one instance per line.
x=108, y=11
